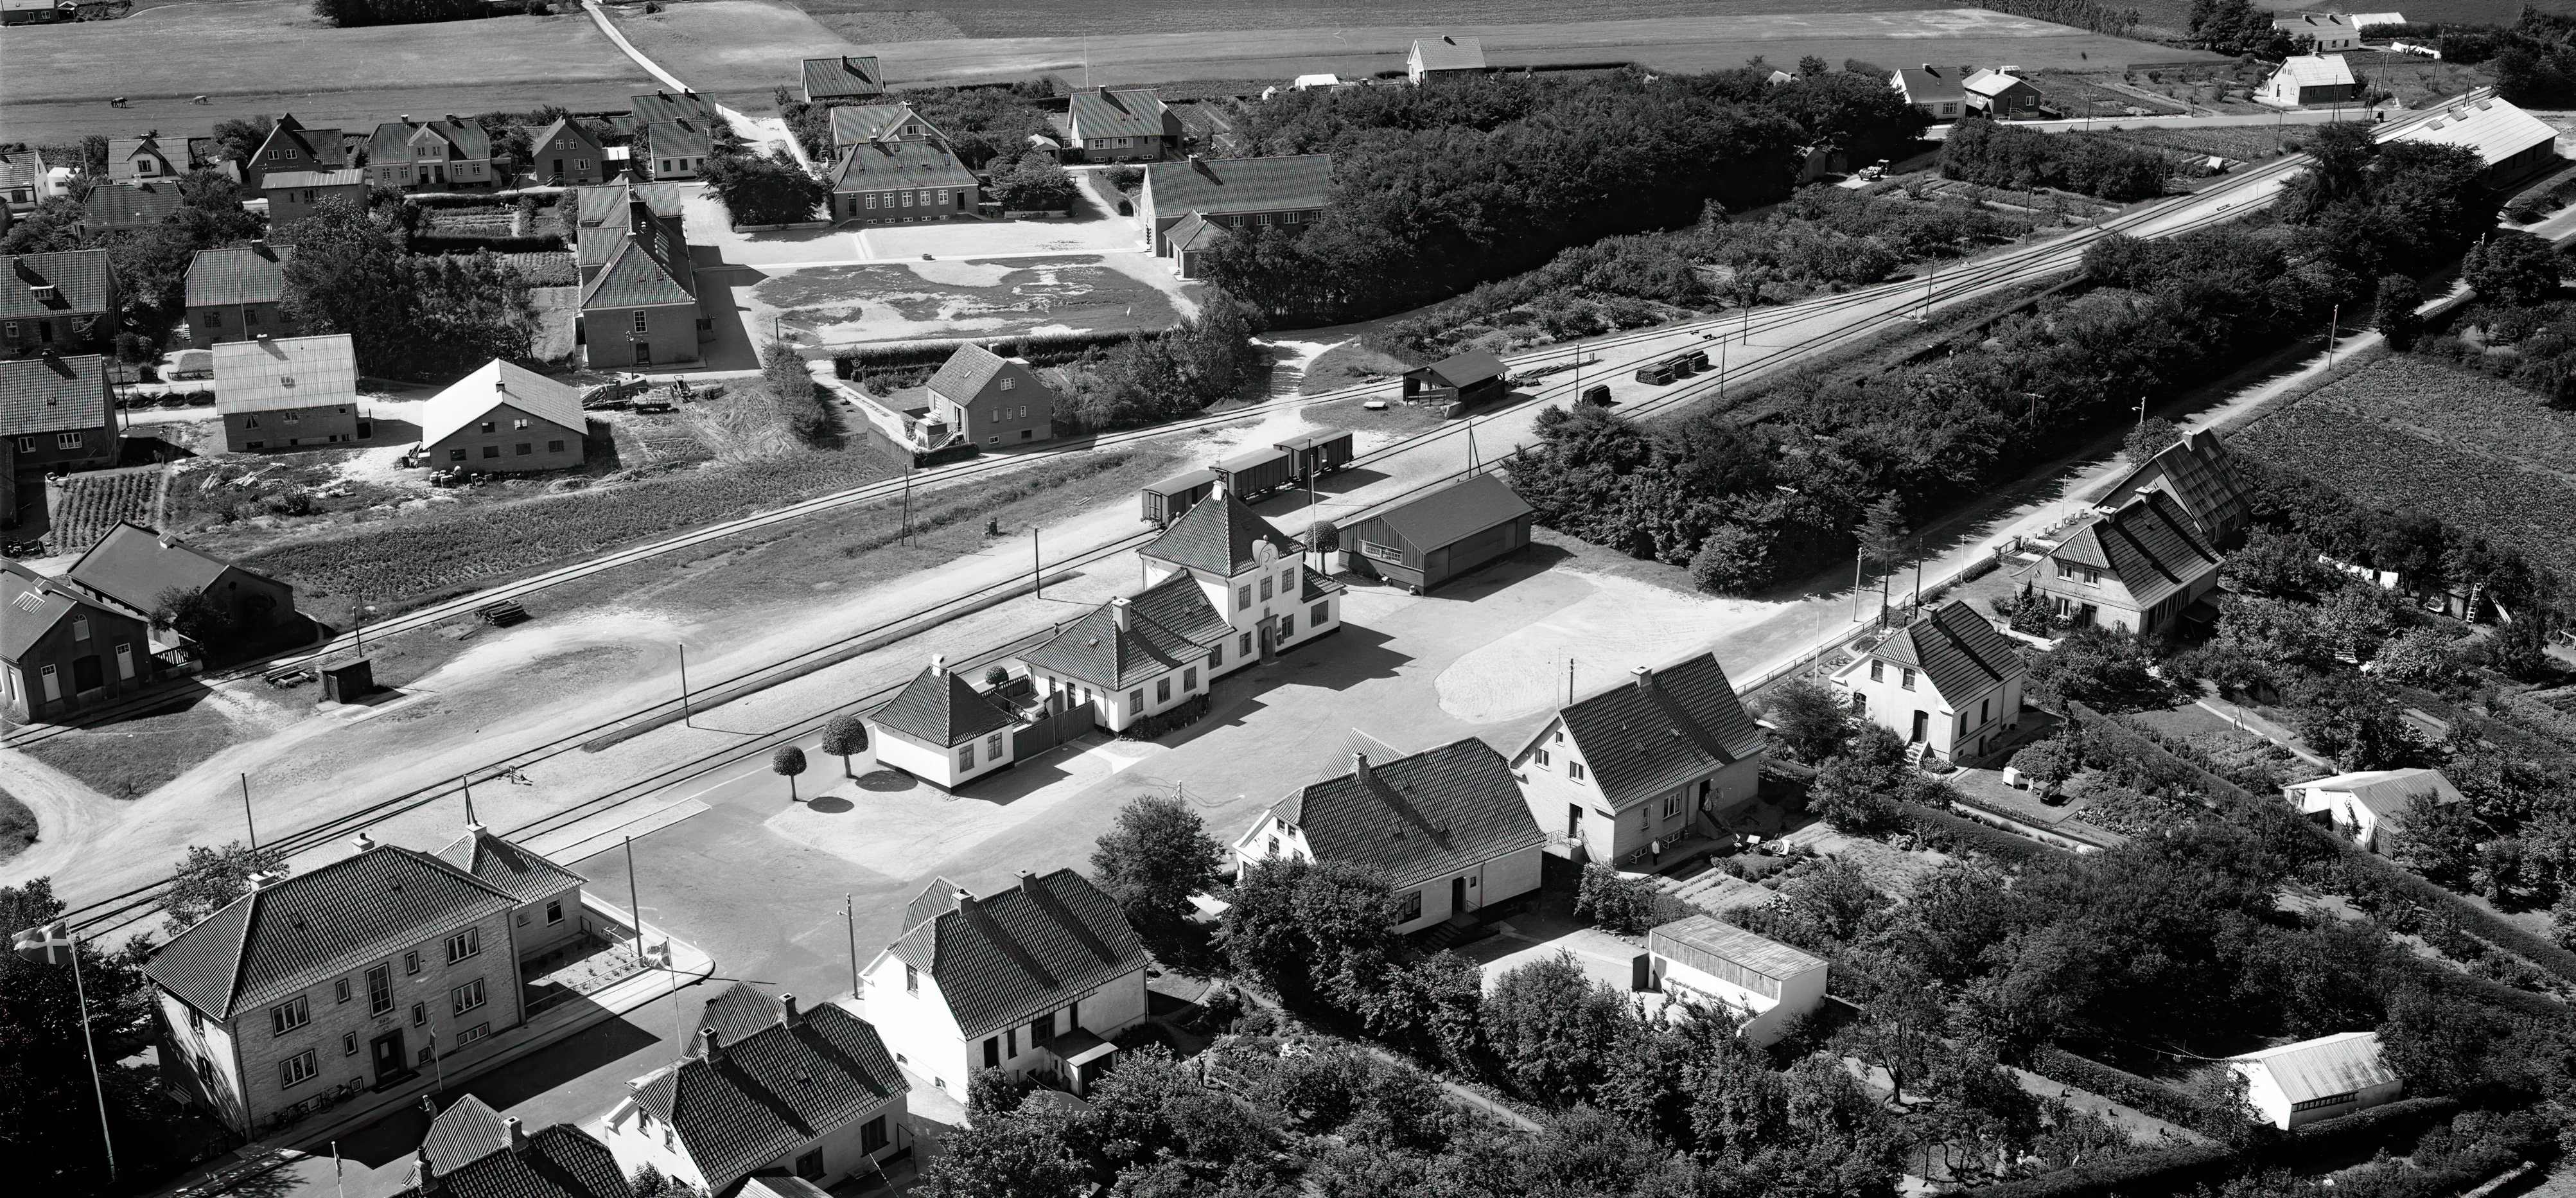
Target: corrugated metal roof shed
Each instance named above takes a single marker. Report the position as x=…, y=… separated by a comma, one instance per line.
x=2326, y=1067
x=2495, y=129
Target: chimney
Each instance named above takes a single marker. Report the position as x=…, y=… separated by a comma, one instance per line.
x=1645, y=678
x=787, y=1015
x=405, y=118
x=938, y=665
x=267, y=878
x=1029, y=880
x=709, y=1044
x=420, y=1164
x=963, y=896
x=259, y=246
x=518, y=1135
x=1118, y=612
x=363, y=841
x=1359, y=766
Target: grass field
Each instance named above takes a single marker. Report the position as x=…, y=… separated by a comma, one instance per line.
x=2408, y=434
x=17, y=826
x=1014, y=18
x=128, y=759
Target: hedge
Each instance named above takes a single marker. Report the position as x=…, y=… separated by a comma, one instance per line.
x=1942, y=830
x=445, y=243
x=2119, y=1085
x=2141, y=1175
x=1043, y=349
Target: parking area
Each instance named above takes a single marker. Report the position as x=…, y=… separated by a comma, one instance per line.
x=1094, y=228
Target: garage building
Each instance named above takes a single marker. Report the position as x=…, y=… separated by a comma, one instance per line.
x=1427, y=541
x=1469, y=378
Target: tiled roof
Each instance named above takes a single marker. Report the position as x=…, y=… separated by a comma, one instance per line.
x=2387, y=793
x=941, y=707
x=634, y=278
x=853, y=124
x=21, y=168
x=679, y=137
x=498, y=382
x=1097, y=650
x=133, y=565
x=1316, y=586
x=2202, y=477
x=53, y=394
x=130, y=205
x=784, y=1186
x=1137, y=112
x=847, y=75
x=1930, y=85
x=81, y=281
x=1447, y=53
x=663, y=105
x=2146, y=544
x=1217, y=536
x=300, y=932
x=1642, y=739
x=274, y=373
x=1039, y=946
x=1222, y=185
x=324, y=146
x=1958, y=651
x=594, y=245
x=736, y=1012
x=346, y=177
x=1462, y=509
x=34, y=604
x=786, y=1085
x=1195, y=232
x=525, y=875
x=899, y=165
x=966, y=372
x=1181, y=605
x=1706, y=936
x=1431, y=815
x=561, y=1161
x=563, y=125
x=2326, y=1067
x=126, y=149
x=241, y=274
x=459, y=140
x=463, y=1133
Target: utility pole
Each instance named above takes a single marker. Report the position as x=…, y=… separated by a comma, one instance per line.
x=635, y=905
x=1918, y=571
x=2334, y=324
x=1569, y=680
x=358, y=620
x=907, y=498
x=2142, y=411
x=685, y=715
x=1860, y=558
x=1471, y=445
x=1721, y=370
x=1037, y=566
x=246, y=820
x=850, y=915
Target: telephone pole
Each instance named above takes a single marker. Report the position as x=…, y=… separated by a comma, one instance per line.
x=246, y=819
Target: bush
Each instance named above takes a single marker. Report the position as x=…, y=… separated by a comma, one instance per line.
x=1981, y=151
x=765, y=191
x=1620, y=904
x=1032, y=184
x=2119, y=1085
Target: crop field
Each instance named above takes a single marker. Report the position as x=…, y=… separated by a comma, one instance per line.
x=838, y=305
x=93, y=503
x=1007, y=18
x=2408, y=434
x=2244, y=143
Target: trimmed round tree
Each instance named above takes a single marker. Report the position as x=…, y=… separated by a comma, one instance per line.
x=788, y=762
x=845, y=735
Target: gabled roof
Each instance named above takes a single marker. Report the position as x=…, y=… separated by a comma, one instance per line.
x=2387, y=793
x=2326, y=1067
x=2495, y=129
x=1671, y=725
x=456, y=139
x=847, y=75
x=1449, y=53
x=561, y=126
x=1195, y=232
x=1990, y=83
x=2315, y=70
x=131, y=205
x=662, y=105
x=241, y=274
x=81, y=281
x=635, y=278
x=463, y=1133
x=344, y=177
x=126, y=149
x=1928, y=85
x=606, y=204
x=1217, y=536
x=749, y=1101
x=1433, y=814
x=34, y=604
x=1958, y=651
x=524, y=875
x=2200, y=475
x=679, y=137
x=1701, y=940
x=274, y=373
x=2146, y=543
x=498, y=382
x=1134, y=112
x=561, y=1161
x=853, y=124
x=53, y=394
x=132, y=565
x=1114, y=646
x=1224, y=185
x=941, y=707
x=1039, y=946
x=324, y=146
x=966, y=373
x=286, y=937
x=21, y=168
x=737, y=1012
x=2313, y=23
x=1179, y=604
x=1464, y=369
x=1461, y=509
x=2364, y=20
x=897, y=166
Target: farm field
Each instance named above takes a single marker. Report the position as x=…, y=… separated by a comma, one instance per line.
x=91, y=504
x=2408, y=434
x=1004, y=18
x=841, y=305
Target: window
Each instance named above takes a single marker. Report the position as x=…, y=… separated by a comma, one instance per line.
x=1984, y=709
x=1244, y=649
x=525, y=449
x=1216, y=656
x=1163, y=690
x=489, y=426
x=1412, y=907
x=966, y=756
x=411, y=963
x=1574, y=770
x=1877, y=670
x=288, y=1016
x=1243, y=596
x=872, y=1135
x=993, y=747
x=810, y=1165
x=1006, y=382
x=581, y=164
x=419, y=1014
x=911, y=980
x=80, y=628
x=250, y=316
x=1189, y=679
x=456, y=455
x=1265, y=586
x=340, y=990
x=67, y=440
x=491, y=451
x=992, y=1052
x=639, y=322
x=872, y=200
x=2065, y=571
x=518, y=424
x=348, y=1044
x=1542, y=757
x=251, y=421
x=1287, y=627
x=1905, y=678
x=1136, y=701
x=907, y=199
x=2092, y=577
x=380, y=989
x=554, y=447
x=1274, y=846
x=466, y=997
x=1321, y=615
x=1011, y=1042
x=464, y=944
x=523, y=919
x=1672, y=804
x=295, y=1070
x=472, y=1034
x=554, y=911
x=427, y=1051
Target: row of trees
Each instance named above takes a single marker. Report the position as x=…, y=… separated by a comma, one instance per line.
x=351, y=14
x=406, y=314
x=2533, y=59
x=1981, y=151
x=1164, y=376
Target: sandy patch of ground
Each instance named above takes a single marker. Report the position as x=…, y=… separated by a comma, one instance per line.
x=892, y=831
x=1621, y=625
x=901, y=301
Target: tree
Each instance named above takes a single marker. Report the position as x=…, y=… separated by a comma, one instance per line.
x=240, y=138
x=2147, y=438
x=765, y=191
x=2095, y=665
x=1622, y=904
x=788, y=762
x=648, y=1181
x=1157, y=855
x=1023, y=1154
x=2441, y=840
x=1809, y=718
x=208, y=879
x=1883, y=537
x=1430, y=1008
x=2399, y=297
x=2351, y=721
x=1810, y=66
x=194, y=615
x=1033, y=184
x=1857, y=790
x=847, y=734
x=2512, y=268
x=2520, y=650
x=48, y=1111
x=1554, y=1031
x=2049, y=763
x=403, y=313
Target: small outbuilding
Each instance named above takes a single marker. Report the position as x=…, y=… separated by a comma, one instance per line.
x=1759, y=980
x=2370, y=807
x=1426, y=541
x=942, y=730
x=1468, y=378
x=287, y=392
x=2001, y=95
x=2313, y=1080
x=135, y=566
x=503, y=418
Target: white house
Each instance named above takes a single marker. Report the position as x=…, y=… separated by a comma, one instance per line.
x=1759, y=980
x=1668, y=753
x=1034, y=979
x=1447, y=825
x=2310, y=79
x=1948, y=682
x=942, y=730
x=1431, y=58
x=812, y=1093
x=2370, y=806
x=1132, y=658
x=1250, y=573
x=2319, y=32
x=2312, y=1080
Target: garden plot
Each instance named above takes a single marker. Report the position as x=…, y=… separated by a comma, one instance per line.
x=840, y=305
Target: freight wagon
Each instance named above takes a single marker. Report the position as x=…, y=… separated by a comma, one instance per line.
x=1166, y=500
x=1251, y=475
x=1317, y=455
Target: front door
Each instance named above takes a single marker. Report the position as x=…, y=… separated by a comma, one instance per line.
x=1265, y=639
x=1457, y=896
x=558, y=168
x=643, y=353
x=1922, y=727
x=1574, y=819
x=388, y=1050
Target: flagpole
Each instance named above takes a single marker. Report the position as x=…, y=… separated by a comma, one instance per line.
x=81, y=992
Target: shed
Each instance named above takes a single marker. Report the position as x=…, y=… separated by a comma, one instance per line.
x=1471, y=377
x=1426, y=541
x=2512, y=143
x=2312, y=1080
x=1760, y=980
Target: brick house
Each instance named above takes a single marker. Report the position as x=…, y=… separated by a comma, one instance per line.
x=293, y=195
x=359, y=973
x=62, y=301
x=1669, y=753
x=942, y=730
x=991, y=400
x=675, y=149
x=1948, y=681
x=473, y=1151
x=883, y=181
x=288, y=392
x=1119, y=126
x=58, y=413
x=505, y=419
x=22, y=179
x=643, y=110
x=62, y=652
x=290, y=147
x=639, y=301
x=848, y=77
x=1237, y=193
x=807, y=1092
x=439, y=153
x=2201, y=479
x=567, y=153
x=2135, y=568
x=128, y=207
x=1447, y=825
x=133, y=565
x=147, y=157
x=1036, y=979
x=238, y=292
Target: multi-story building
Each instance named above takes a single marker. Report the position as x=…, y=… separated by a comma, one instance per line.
x=1670, y=753
x=238, y=292
x=58, y=413
x=292, y=148
x=2135, y=568
x=505, y=419
x=445, y=152
x=990, y=400
x=566, y=153
x=2199, y=476
x=639, y=296
x=288, y=392
x=1948, y=682
x=1285, y=191
x=1104, y=125
x=62, y=302
x=880, y=181
x=1431, y=59
x=859, y=124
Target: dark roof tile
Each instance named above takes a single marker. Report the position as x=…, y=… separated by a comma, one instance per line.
x=52, y=394
x=943, y=708
x=239, y=274
x=1290, y=182
x=1429, y=815
x=561, y=1161
x=1644, y=739
x=781, y=1087
x=1004, y=958
x=1217, y=536
x=80, y=282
